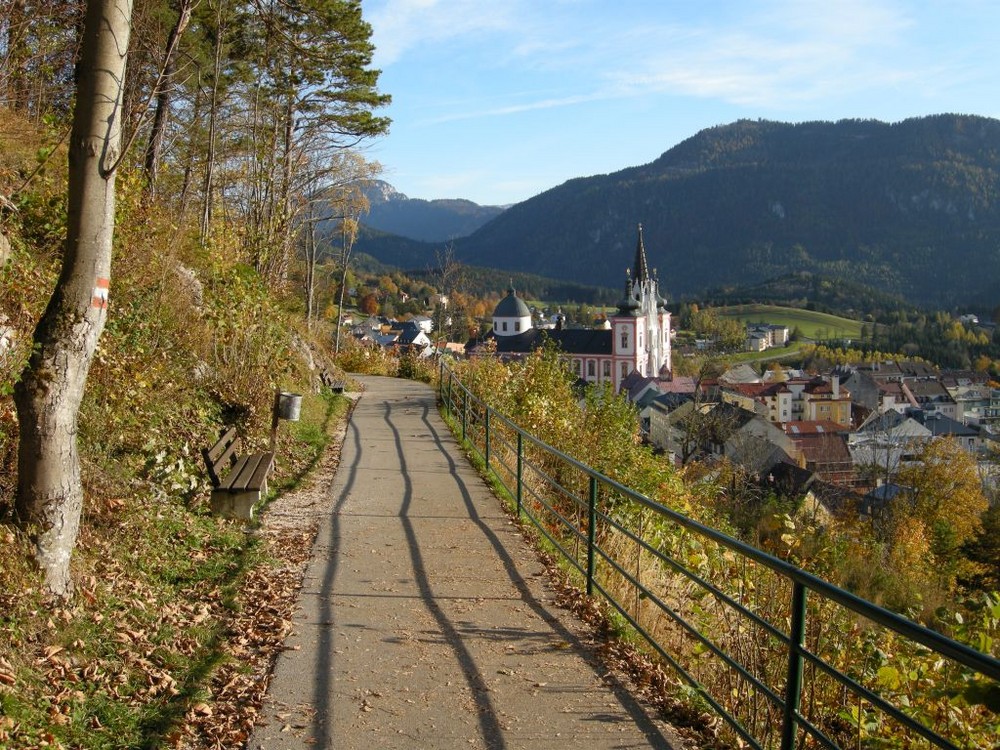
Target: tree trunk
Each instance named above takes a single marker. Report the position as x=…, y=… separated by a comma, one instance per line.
x=311, y=254
x=164, y=95
x=286, y=224
x=189, y=160
x=213, y=114
x=12, y=30
x=50, y=494
x=348, y=233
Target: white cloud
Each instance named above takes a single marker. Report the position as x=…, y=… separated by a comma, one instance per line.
x=776, y=54
x=400, y=26
x=786, y=54
x=513, y=109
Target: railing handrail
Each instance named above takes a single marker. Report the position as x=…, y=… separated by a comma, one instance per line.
x=936, y=642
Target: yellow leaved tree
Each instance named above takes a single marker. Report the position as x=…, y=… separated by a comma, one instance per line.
x=947, y=498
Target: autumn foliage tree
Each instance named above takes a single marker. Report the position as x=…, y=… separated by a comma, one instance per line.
x=368, y=304
x=947, y=499
x=728, y=333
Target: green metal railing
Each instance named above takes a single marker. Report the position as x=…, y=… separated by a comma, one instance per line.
x=783, y=681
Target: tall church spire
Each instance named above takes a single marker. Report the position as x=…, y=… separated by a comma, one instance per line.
x=641, y=267
x=641, y=325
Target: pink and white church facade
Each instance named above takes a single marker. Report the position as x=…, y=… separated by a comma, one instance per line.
x=637, y=338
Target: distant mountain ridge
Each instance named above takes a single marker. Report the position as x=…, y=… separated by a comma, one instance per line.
x=439, y=220
x=911, y=208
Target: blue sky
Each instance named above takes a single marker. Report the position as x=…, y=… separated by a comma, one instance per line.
x=499, y=100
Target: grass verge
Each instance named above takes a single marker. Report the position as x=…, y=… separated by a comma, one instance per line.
x=160, y=610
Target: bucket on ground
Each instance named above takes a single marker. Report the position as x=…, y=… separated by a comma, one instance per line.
x=289, y=406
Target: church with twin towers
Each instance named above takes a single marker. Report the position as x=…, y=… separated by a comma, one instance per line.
x=636, y=337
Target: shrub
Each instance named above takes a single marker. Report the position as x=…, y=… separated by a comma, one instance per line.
x=365, y=358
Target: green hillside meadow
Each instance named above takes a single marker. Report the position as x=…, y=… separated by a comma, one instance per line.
x=813, y=325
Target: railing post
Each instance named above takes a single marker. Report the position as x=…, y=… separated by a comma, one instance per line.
x=520, y=469
x=465, y=414
x=591, y=534
x=451, y=378
x=486, y=447
x=793, y=684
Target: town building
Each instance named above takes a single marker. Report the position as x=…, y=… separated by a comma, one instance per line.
x=810, y=399
x=762, y=336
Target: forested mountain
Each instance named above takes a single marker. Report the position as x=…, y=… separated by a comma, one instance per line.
x=428, y=221
x=909, y=208
x=806, y=290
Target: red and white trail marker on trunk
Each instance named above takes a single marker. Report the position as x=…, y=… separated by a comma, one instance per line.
x=100, y=298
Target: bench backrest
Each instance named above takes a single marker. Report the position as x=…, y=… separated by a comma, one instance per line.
x=220, y=455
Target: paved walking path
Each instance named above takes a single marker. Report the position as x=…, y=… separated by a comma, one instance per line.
x=424, y=620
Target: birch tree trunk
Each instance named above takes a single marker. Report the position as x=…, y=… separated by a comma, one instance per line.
x=50, y=494
x=312, y=256
x=348, y=233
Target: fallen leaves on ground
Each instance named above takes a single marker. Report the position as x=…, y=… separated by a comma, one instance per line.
x=646, y=674
x=129, y=653
x=257, y=629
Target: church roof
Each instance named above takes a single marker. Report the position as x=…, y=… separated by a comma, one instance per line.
x=628, y=304
x=583, y=340
x=570, y=341
x=511, y=306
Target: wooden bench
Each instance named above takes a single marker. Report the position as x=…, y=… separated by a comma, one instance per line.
x=337, y=386
x=245, y=483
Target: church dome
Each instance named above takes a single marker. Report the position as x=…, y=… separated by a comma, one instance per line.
x=629, y=304
x=511, y=306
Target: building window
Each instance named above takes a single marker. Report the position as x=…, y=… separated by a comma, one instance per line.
x=624, y=370
x=624, y=339
x=577, y=366
x=591, y=369
x=517, y=325
x=505, y=325
x=496, y=326
x=607, y=368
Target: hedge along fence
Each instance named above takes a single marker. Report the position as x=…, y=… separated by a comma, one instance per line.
x=783, y=657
